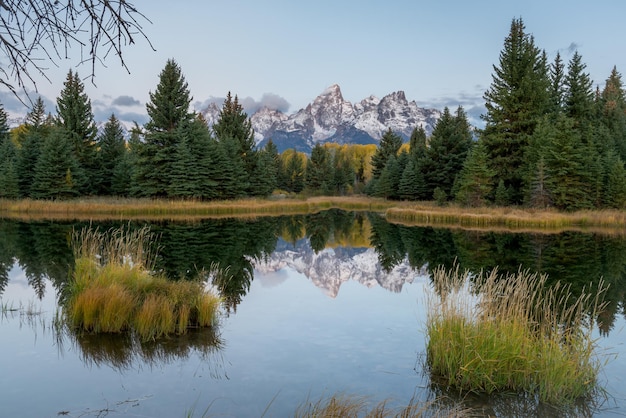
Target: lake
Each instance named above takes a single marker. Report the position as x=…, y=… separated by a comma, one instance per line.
x=315, y=305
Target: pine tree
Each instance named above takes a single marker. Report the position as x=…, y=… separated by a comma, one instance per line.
x=612, y=104
x=389, y=180
x=75, y=115
x=517, y=98
x=112, y=148
x=57, y=168
x=319, y=174
x=234, y=124
x=291, y=171
x=389, y=146
x=615, y=185
x=37, y=128
x=447, y=151
x=567, y=176
x=475, y=181
x=9, y=187
x=579, y=96
x=168, y=110
x=557, y=85
x=265, y=178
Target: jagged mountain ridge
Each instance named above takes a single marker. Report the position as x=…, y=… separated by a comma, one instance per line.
x=331, y=118
x=330, y=268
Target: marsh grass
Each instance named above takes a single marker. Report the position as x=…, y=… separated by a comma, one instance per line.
x=513, y=333
x=352, y=406
x=116, y=208
x=508, y=218
x=113, y=289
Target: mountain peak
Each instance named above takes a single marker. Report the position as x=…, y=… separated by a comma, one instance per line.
x=331, y=118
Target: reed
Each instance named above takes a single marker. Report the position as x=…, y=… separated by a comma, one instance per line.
x=351, y=406
x=513, y=333
x=112, y=290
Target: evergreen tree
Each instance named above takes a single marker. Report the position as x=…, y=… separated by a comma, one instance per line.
x=319, y=174
x=228, y=170
x=9, y=187
x=388, y=182
x=56, y=168
x=291, y=171
x=112, y=148
x=75, y=115
x=417, y=143
x=540, y=196
x=567, y=176
x=579, y=96
x=412, y=185
x=612, y=103
x=168, y=110
x=615, y=185
x=37, y=128
x=557, y=85
x=475, y=181
x=343, y=173
x=265, y=178
x=447, y=151
x=389, y=146
x=517, y=98
x=234, y=124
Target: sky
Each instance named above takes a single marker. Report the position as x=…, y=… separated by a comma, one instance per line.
x=284, y=53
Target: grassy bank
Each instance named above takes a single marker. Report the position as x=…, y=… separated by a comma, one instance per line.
x=509, y=219
x=515, y=219
x=512, y=334
x=113, y=289
x=113, y=208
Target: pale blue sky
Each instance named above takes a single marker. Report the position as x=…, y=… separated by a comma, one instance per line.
x=288, y=52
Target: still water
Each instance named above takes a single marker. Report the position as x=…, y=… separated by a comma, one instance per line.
x=315, y=305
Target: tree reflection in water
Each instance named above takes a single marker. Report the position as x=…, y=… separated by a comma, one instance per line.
x=225, y=251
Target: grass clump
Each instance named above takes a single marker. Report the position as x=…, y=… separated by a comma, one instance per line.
x=114, y=290
x=513, y=333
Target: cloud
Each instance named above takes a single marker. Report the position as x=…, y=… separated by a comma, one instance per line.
x=250, y=105
x=473, y=103
x=570, y=49
x=125, y=101
x=15, y=108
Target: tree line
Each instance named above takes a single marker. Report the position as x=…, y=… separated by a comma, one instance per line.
x=550, y=140
x=174, y=155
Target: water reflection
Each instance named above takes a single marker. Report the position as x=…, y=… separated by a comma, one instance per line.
x=227, y=251
x=124, y=352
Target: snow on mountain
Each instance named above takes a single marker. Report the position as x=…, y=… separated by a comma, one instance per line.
x=331, y=118
x=330, y=268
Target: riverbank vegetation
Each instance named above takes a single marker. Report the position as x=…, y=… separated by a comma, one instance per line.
x=492, y=333
x=113, y=289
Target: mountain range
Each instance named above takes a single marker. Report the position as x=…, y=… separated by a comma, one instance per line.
x=331, y=118
x=330, y=268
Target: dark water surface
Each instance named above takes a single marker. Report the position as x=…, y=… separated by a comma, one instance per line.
x=315, y=305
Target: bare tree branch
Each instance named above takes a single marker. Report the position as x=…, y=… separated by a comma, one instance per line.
x=34, y=32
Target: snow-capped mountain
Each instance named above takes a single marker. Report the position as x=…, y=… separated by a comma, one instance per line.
x=331, y=118
x=330, y=268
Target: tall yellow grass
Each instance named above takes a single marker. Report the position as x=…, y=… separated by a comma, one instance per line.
x=113, y=289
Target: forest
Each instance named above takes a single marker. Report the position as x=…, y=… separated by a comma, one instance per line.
x=550, y=140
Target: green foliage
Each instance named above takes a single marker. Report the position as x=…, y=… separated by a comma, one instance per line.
x=513, y=333
x=440, y=196
x=615, y=187
x=475, y=181
x=112, y=149
x=155, y=174
x=447, y=151
x=57, y=167
x=74, y=114
x=517, y=98
x=234, y=125
x=389, y=146
x=319, y=173
x=9, y=187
